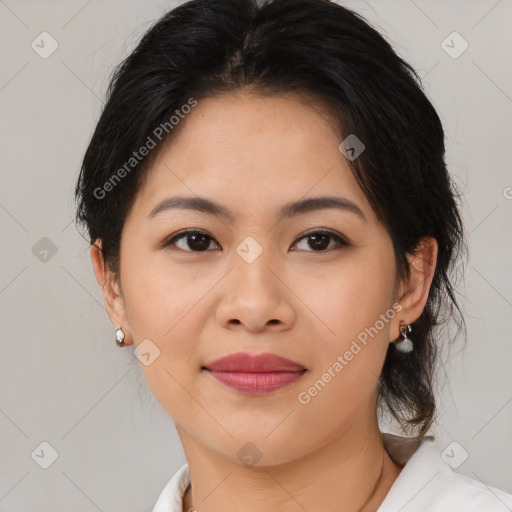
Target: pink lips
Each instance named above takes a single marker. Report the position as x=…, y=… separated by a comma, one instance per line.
x=255, y=374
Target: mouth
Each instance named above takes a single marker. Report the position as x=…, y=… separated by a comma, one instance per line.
x=255, y=374
x=256, y=383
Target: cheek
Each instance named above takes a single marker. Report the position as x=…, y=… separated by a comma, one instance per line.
x=162, y=307
x=350, y=354
x=351, y=343
x=157, y=296
x=352, y=297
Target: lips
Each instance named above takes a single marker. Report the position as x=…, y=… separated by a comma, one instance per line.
x=246, y=362
x=255, y=374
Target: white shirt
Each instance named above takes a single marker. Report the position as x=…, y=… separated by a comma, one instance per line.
x=426, y=483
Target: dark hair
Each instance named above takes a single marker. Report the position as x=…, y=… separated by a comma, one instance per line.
x=323, y=51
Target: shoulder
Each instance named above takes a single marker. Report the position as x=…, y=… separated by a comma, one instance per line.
x=428, y=484
x=453, y=490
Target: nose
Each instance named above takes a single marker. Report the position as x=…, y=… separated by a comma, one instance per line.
x=255, y=298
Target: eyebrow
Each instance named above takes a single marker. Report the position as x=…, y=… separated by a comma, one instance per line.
x=288, y=210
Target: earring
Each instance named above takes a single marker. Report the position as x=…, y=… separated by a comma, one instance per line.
x=404, y=344
x=120, y=337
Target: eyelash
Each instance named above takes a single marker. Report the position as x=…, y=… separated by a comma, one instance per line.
x=183, y=234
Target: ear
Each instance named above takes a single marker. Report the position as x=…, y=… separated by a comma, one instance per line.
x=413, y=293
x=112, y=293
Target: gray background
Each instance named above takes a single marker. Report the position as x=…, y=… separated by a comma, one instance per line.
x=63, y=379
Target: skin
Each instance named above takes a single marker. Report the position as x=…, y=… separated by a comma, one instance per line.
x=253, y=154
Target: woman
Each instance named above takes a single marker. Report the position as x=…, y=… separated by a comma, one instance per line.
x=273, y=228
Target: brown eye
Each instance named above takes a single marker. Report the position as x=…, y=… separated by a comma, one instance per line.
x=191, y=241
x=320, y=241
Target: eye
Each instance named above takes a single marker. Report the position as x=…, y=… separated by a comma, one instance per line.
x=199, y=241
x=196, y=241
x=320, y=241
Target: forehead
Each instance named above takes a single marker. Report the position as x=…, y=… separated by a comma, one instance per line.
x=248, y=149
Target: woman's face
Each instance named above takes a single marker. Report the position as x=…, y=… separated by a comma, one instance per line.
x=255, y=282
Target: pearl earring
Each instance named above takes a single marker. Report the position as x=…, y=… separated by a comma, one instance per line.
x=404, y=344
x=120, y=337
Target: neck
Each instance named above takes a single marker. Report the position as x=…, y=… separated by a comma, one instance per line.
x=352, y=469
